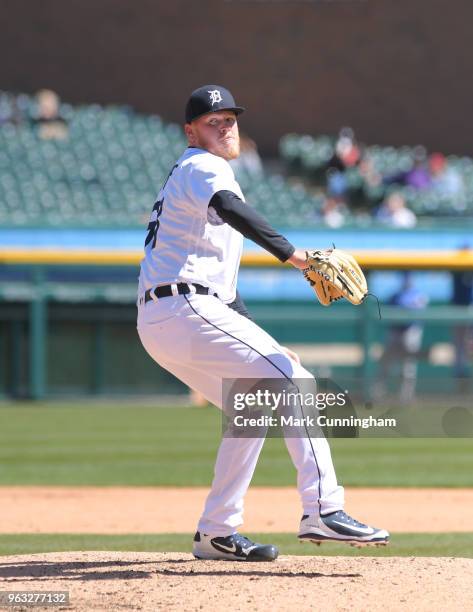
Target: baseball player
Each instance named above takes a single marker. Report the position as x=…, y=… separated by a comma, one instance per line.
x=192, y=322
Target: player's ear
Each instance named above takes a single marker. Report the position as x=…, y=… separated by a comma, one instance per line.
x=190, y=134
x=188, y=130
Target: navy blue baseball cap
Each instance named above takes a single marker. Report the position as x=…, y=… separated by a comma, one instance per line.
x=210, y=99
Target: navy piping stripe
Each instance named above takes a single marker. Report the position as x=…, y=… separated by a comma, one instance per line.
x=279, y=370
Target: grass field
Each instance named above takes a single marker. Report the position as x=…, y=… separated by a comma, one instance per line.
x=106, y=444
x=402, y=545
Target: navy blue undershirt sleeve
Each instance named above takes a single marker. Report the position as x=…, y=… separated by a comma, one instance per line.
x=242, y=217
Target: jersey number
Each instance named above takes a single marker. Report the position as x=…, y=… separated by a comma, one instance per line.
x=153, y=225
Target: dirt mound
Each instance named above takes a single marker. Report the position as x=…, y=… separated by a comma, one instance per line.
x=176, y=581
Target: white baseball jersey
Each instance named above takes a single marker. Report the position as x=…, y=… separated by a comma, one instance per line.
x=187, y=241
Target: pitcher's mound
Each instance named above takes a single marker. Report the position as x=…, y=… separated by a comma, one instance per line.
x=177, y=581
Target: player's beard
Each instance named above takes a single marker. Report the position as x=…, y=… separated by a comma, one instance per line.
x=228, y=147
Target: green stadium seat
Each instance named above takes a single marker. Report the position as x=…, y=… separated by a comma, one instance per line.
x=114, y=161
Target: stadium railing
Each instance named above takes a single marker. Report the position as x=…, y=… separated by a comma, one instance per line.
x=30, y=295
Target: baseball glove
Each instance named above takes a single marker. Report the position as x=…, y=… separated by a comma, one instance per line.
x=334, y=274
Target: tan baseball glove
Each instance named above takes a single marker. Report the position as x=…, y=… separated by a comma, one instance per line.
x=335, y=274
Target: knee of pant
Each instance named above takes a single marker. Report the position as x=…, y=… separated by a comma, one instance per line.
x=286, y=366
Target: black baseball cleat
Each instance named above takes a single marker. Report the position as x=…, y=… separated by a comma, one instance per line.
x=232, y=548
x=340, y=527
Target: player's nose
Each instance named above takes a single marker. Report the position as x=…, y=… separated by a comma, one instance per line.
x=224, y=127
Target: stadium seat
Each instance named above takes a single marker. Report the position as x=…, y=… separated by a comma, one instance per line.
x=110, y=167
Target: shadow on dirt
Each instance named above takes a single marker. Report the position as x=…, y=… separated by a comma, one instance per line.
x=125, y=570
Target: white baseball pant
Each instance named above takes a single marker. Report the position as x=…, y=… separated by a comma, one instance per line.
x=202, y=341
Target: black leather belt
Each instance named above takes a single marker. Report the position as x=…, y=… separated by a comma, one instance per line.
x=182, y=288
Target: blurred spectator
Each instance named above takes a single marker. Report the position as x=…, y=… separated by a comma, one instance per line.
x=418, y=177
x=394, y=212
x=337, y=184
x=368, y=171
x=462, y=282
x=334, y=211
x=347, y=154
x=249, y=160
x=347, y=151
x=447, y=182
x=403, y=344
x=51, y=126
